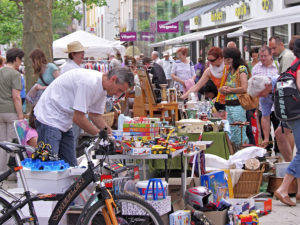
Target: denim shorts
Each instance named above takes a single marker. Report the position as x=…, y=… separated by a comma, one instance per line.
x=62, y=143
x=294, y=167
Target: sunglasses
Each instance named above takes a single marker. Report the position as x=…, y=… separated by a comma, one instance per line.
x=211, y=60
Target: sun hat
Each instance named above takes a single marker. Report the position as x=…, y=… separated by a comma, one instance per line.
x=166, y=54
x=75, y=46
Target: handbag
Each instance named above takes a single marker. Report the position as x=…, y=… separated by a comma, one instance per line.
x=34, y=95
x=247, y=102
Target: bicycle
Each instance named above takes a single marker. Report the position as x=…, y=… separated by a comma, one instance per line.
x=101, y=208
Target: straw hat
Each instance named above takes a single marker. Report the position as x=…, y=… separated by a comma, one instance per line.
x=75, y=46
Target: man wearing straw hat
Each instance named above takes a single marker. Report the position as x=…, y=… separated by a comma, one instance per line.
x=75, y=52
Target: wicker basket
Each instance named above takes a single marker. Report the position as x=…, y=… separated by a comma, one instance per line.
x=109, y=118
x=248, y=184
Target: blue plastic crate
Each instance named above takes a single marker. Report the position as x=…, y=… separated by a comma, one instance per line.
x=38, y=165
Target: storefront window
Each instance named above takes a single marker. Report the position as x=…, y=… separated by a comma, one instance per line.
x=296, y=29
x=254, y=39
x=282, y=32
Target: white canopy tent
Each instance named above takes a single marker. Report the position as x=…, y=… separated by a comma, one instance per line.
x=97, y=47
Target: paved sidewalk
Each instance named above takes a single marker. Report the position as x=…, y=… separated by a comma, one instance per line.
x=282, y=215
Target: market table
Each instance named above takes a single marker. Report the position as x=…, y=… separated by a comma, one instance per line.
x=164, y=157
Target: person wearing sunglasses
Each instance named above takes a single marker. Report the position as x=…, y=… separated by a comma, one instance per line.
x=214, y=72
x=238, y=70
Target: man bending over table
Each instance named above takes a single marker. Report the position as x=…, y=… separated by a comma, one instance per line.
x=68, y=98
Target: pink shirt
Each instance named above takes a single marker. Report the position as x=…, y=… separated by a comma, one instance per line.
x=31, y=134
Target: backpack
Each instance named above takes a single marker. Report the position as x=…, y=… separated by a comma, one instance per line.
x=287, y=95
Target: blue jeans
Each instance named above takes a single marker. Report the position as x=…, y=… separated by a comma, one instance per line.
x=294, y=167
x=62, y=143
x=237, y=114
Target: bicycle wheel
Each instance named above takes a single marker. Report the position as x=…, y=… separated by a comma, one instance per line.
x=127, y=213
x=14, y=218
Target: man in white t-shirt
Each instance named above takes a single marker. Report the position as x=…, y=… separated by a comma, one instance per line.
x=68, y=98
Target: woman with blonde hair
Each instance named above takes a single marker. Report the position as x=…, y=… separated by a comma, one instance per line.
x=47, y=72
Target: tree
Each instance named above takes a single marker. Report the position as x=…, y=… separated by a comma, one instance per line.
x=37, y=25
x=11, y=27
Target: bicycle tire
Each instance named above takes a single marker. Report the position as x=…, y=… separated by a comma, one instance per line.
x=92, y=216
x=14, y=218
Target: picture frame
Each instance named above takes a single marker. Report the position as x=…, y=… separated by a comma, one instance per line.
x=172, y=95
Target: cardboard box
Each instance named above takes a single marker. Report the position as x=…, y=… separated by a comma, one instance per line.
x=161, y=206
x=217, y=217
x=217, y=183
x=181, y=217
x=140, y=151
x=193, y=126
x=263, y=204
x=242, y=205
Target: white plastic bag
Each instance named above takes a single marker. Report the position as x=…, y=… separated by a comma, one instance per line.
x=213, y=161
x=239, y=158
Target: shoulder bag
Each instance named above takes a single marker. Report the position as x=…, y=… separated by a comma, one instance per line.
x=247, y=102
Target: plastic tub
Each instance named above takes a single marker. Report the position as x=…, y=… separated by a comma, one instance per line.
x=117, y=134
x=142, y=186
x=281, y=169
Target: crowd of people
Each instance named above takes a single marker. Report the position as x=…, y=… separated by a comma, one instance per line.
x=71, y=98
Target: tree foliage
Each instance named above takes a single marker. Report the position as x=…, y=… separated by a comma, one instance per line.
x=63, y=12
x=11, y=27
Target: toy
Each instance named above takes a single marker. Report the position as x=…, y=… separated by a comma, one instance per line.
x=251, y=219
x=44, y=153
x=169, y=144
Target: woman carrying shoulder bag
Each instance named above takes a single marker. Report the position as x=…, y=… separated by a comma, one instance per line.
x=46, y=72
x=236, y=84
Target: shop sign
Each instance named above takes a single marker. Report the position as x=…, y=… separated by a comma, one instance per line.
x=186, y=26
x=242, y=10
x=163, y=28
x=217, y=16
x=128, y=36
x=147, y=36
x=197, y=20
x=267, y=5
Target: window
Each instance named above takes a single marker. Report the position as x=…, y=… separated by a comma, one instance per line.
x=282, y=32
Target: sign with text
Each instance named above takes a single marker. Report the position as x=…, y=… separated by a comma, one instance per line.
x=128, y=36
x=147, y=36
x=242, y=10
x=217, y=16
x=186, y=26
x=163, y=28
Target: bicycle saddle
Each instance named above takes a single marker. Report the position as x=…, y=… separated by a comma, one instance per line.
x=12, y=147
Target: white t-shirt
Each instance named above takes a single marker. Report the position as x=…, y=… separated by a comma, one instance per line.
x=78, y=89
x=69, y=65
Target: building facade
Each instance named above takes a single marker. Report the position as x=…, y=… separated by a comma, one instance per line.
x=141, y=16
x=249, y=23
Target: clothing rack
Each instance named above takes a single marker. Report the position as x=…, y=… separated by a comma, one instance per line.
x=99, y=65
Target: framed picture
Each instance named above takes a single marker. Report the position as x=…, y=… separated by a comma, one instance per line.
x=172, y=95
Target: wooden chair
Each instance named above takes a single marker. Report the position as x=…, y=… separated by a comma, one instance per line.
x=145, y=104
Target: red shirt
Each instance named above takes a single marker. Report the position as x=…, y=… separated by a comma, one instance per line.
x=298, y=68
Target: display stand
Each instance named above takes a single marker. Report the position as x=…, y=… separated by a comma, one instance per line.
x=165, y=157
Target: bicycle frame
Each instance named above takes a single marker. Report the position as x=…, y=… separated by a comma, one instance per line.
x=64, y=199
